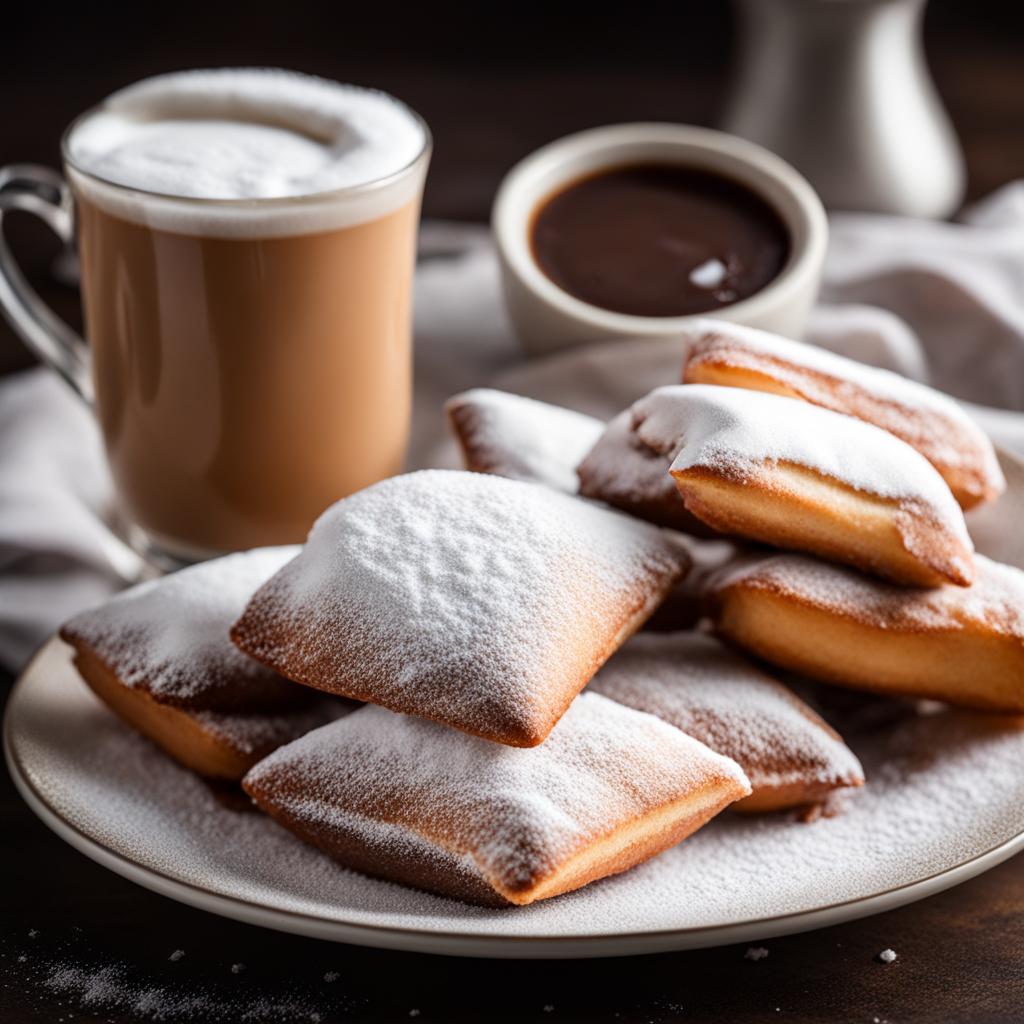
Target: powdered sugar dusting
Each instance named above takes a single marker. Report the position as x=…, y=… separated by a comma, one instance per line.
x=995, y=601
x=521, y=438
x=169, y=636
x=91, y=990
x=482, y=602
x=512, y=815
x=948, y=432
x=736, y=432
x=261, y=732
x=694, y=683
x=942, y=789
x=708, y=336
x=624, y=472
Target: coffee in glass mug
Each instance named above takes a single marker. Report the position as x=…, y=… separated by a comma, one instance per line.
x=247, y=242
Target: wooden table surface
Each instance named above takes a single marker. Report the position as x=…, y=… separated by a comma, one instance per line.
x=78, y=943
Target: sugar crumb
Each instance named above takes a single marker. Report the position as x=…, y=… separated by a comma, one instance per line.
x=755, y=953
x=176, y=955
x=331, y=976
x=237, y=968
x=887, y=956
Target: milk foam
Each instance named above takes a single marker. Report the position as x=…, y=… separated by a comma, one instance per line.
x=245, y=134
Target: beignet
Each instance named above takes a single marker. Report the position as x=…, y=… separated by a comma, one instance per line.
x=736, y=356
x=484, y=603
x=963, y=646
x=790, y=755
x=408, y=800
x=623, y=472
x=160, y=657
x=214, y=744
x=521, y=438
x=169, y=636
x=794, y=475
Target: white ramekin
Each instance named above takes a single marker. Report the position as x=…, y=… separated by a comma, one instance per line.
x=547, y=318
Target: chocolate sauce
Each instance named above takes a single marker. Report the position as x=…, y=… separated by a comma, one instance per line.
x=659, y=240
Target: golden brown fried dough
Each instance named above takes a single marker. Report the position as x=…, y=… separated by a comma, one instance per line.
x=743, y=357
x=160, y=656
x=964, y=646
x=790, y=755
x=483, y=603
x=797, y=476
x=408, y=800
x=215, y=744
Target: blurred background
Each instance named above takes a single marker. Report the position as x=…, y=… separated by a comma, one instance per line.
x=493, y=81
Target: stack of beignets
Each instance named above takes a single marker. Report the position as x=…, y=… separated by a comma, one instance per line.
x=468, y=610
x=854, y=465
x=870, y=478
x=484, y=603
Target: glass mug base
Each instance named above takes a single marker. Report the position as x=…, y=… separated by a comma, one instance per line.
x=162, y=554
x=135, y=555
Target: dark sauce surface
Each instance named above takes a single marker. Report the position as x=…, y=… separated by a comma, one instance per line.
x=659, y=240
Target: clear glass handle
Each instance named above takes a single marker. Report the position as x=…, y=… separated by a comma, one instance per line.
x=43, y=192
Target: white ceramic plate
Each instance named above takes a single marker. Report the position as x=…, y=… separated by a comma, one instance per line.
x=945, y=801
x=921, y=826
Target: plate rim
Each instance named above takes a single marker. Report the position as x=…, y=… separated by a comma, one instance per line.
x=423, y=940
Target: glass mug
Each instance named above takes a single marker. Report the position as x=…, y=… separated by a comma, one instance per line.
x=249, y=360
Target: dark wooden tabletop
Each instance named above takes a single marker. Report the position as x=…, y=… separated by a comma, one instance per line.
x=78, y=943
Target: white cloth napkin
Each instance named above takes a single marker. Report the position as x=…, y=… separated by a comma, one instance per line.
x=940, y=302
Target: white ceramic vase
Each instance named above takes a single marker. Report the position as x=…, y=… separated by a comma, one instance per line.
x=840, y=89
